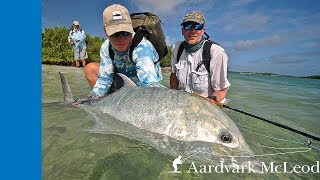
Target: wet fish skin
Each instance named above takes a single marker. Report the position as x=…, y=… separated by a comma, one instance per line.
x=173, y=113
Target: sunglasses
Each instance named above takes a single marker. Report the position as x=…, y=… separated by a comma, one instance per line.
x=123, y=33
x=195, y=25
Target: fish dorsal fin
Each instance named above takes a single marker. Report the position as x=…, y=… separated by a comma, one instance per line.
x=68, y=97
x=126, y=81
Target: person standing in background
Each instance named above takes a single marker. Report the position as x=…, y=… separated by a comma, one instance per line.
x=77, y=38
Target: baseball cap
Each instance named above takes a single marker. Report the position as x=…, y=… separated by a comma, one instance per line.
x=194, y=16
x=76, y=23
x=116, y=18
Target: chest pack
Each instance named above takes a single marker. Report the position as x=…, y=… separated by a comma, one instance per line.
x=148, y=25
x=72, y=31
x=206, y=55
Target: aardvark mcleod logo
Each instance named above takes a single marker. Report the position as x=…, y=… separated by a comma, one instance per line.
x=175, y=164
x=247, y=167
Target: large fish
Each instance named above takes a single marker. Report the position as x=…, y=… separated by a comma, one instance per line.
x=171, y=113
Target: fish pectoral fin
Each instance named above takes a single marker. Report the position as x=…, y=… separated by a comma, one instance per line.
x=126, y=81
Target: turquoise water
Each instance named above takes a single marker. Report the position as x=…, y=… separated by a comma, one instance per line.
x=71, y=151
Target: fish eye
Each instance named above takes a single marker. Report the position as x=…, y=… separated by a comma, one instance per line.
x=225, y=136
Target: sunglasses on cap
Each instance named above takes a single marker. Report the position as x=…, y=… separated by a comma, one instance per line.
x=123, y=33
x=196, y=26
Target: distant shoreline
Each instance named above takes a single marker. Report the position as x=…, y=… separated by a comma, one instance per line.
x=167, y=70
x=272, y=74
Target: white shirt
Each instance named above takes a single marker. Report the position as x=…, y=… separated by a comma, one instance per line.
x=201, y=82
x=77, y=37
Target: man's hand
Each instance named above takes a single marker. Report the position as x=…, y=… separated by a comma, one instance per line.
x=89, y=97
x=71, y=41
x=211, y=99
x=218, y=103
x=174, y=82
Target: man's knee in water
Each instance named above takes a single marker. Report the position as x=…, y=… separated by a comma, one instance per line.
x=91, y=72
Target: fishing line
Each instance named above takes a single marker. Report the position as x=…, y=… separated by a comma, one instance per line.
x=275, y=123
x=296, y=149
x=264, y=155
x=189, y=156
x=96, y=119
x=248, y=129
x=276, y=138
x=316, y=147
x=273, y=154
x=54, y=12
x=266, y=120
x=267, y=136
x=279, y=139
x=303, y=150
x=271, y=147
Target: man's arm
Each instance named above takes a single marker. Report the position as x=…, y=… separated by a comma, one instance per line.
x=219, y=70
x=70, y=40
x=144, y=56
x=105, y=76
x=174, y=82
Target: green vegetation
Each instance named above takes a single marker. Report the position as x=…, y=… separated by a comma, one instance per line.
x=56, y=49
x=312, y=77
x=165, y=62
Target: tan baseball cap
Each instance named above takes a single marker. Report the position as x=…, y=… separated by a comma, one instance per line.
x=194, y=16
x=76, y=23
x=116, y=18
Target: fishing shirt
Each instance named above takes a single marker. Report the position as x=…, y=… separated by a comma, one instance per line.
x=201, y=82
x=142, y=69
x=79, y=37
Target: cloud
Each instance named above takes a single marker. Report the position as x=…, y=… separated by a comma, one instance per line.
x=244, y=17
x=311, y=44
x=238, y=17
x=243, y=45
x=258, y=61
x=161, y=7
x=241, y=3
x=245, y=23
x=170, y=40
x=293, y=58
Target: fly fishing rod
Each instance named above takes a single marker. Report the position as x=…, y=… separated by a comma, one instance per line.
x=275, y=123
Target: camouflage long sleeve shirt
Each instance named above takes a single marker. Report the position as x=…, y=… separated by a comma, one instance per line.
x=142, y=69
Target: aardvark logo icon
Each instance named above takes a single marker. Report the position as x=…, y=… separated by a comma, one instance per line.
x=175, y=164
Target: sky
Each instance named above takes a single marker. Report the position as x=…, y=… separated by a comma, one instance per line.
x=274, y=36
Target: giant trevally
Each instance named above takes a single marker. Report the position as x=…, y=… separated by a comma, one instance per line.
x=171, y=113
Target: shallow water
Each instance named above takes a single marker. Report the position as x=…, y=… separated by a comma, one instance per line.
x=70, y=150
